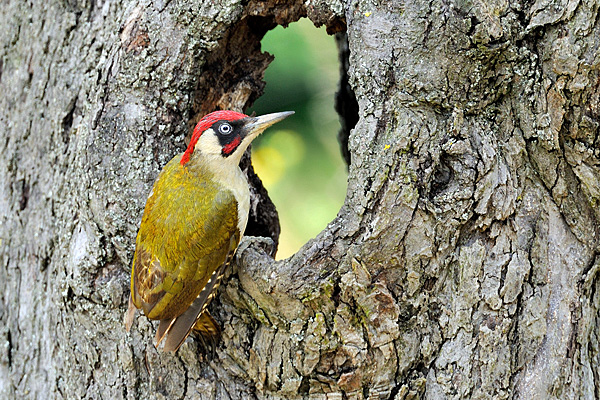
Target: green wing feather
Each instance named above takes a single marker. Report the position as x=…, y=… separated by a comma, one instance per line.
x=188, y=229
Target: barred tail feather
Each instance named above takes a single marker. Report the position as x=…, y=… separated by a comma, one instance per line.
x=179, y=328
x=130, y=314
x=163, y=328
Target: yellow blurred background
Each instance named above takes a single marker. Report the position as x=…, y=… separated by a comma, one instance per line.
x=299, y=159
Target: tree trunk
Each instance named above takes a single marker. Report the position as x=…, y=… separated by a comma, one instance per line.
x=463, y=263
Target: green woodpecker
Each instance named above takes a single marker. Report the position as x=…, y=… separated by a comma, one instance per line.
x=192, y=224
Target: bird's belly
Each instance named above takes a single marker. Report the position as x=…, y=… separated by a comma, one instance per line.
x=238, y=185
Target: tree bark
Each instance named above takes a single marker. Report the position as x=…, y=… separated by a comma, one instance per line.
x=463, y=263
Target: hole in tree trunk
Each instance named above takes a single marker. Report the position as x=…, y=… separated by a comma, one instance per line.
x=299, y=159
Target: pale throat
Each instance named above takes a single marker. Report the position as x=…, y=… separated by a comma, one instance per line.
x=227, y=172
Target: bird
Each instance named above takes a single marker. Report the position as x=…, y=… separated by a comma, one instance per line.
x=192, y=223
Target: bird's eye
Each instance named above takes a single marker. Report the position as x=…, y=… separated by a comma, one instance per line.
x=225, y=129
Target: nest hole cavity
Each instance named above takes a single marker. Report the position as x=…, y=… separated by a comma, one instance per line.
x=303, y=160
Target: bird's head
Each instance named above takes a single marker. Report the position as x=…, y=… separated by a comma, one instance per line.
x=227, y=134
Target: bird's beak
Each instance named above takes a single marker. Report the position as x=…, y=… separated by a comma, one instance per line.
x=256, y=125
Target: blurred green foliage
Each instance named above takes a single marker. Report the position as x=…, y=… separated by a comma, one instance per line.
x=299, y=159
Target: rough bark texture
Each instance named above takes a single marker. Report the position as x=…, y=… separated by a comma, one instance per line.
x=463, y=263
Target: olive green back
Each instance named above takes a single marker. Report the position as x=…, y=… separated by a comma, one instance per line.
x=184, y=237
